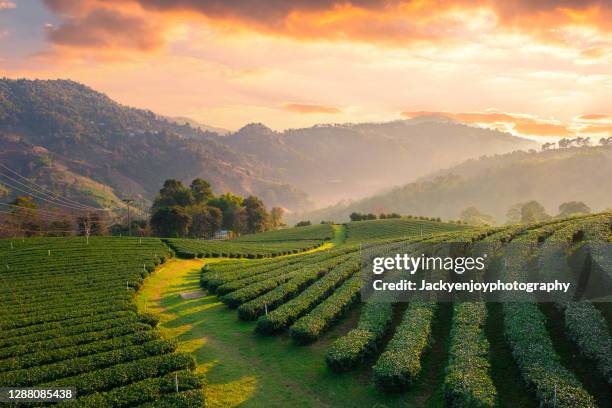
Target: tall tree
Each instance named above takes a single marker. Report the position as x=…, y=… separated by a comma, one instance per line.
x=172, y=221
x=533, y=211
x=173, y=193
x=472, y=215
x=229, y=204
x=276, y=217
x=573, y=208
x=201, y=191
x=205, y=221
x=256, y=215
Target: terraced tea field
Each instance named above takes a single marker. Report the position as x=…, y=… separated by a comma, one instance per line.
x=265, y=245
x=286, y=328
x=67, y=320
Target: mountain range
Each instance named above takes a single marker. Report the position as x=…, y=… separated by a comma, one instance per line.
x=80, y=143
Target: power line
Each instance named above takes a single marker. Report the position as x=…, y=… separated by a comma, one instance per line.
x=37, y=196
x=42, y=211
x=43, y=190
x=47, y=195
x=16, y=229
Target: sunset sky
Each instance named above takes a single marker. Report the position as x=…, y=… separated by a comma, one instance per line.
x=532, y=67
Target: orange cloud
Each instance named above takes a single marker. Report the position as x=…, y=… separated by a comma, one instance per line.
x=605, y=117
x=395, y=22
x=593, y=129
x=543, y=129
x=528, y=125
x=310, y=108
x=104, y=28
x=522, y=124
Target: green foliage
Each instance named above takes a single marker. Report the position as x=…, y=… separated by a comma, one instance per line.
x=364, y=231
x=400, y=365
x=67, y=319
x=467, y=382
x=350, y=350
x=310, y=327
x=587, y=327
x=201, y=191
x=533, y=211
x=286, y=314
x=171, y=221
x=573, y=208
x=473, y=216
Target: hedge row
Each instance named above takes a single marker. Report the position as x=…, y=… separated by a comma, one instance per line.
x=251, y=280
x=238, y=297
x=540, y=365
x=50, y=330
x=279, y=295
x=49, y=372
x=183, y=399
x=532, y=348
x=585, y=325
x=126, y=373
x=310, y=327
x=68, y=313
x=400, y=364
x=27, y=347
x=220, y=275
x=350, y=350
x=140, y=392
x=467, y=382
x=53, y=355
x=287, y=313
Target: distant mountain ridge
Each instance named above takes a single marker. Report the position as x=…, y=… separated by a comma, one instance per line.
x=79, y=142
x=495, y=183
x=335, y=162
x=80, y=131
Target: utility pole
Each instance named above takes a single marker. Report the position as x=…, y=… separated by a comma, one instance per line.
x=129, y=201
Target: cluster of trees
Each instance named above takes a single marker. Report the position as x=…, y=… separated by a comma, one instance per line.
x=194, y=211
x=356, y=216
x=524, y=213
x=533, y=211
x=578, y=142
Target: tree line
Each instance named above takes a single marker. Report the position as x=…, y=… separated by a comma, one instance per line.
x=177, y=211
x=525, y=213
x=194, y=211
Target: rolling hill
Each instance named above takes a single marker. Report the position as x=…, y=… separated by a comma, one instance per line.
x=493, y=184
x=336, y=162
x=70, y=139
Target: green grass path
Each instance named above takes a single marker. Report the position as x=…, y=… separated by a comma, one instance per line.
x=249, y=370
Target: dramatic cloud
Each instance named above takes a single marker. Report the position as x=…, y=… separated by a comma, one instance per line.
x=392, y=22
x=310, y=108
x=107, y=29
x=527, y=125
x=231, y=62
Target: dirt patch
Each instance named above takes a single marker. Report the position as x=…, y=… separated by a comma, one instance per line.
x=193, y=295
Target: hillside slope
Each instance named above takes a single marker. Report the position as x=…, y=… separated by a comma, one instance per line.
x=493, y=184
x=48, y=127
x=335, y=162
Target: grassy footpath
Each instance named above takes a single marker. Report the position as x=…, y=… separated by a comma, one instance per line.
x=246, y=369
